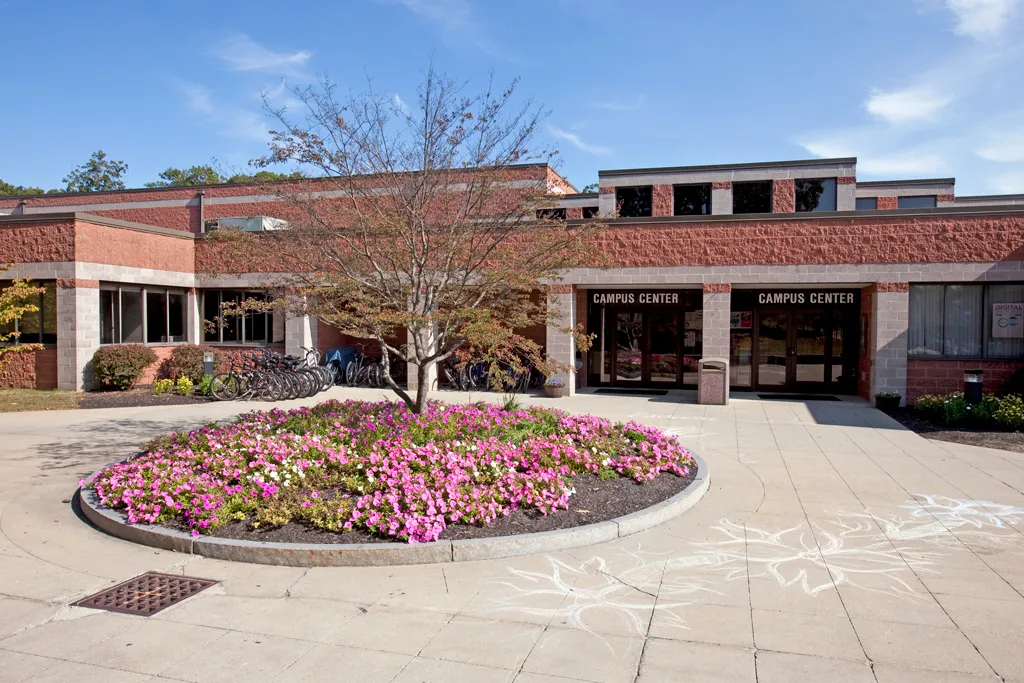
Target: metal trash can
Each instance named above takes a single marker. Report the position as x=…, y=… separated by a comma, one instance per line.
x=713, y=381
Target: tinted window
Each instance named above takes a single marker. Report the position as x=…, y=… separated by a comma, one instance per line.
x=925, y=202
x=590, y=211
x=867, y=203
x=818, y=194
x=755, y=197
x=551, y=214
x=633, y=202
x=691, y=200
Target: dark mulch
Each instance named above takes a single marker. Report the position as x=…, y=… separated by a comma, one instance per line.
x=135, y=398
x=912, y=420
x=594, y=501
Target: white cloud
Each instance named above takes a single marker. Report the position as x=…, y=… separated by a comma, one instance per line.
x=920, y=103
x=401, y=105
x=906, y=163
x=229, y=121
x=1005, y=147
x=981, y=19
x=577, y=142
x=1008, y=183
x=632, y=104
x=879, y=155
x=242, y=53
x=458, y=24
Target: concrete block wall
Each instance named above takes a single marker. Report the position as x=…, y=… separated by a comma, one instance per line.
x=299, y=331
x=561, y=346
x=846, y=193
x=717, y=307
x=721, y=198
x=78, y=332
x=891, y=319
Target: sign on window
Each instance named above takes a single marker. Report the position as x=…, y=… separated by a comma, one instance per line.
x=1008, y=321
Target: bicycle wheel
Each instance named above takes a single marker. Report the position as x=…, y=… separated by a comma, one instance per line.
x=225, y=386
x=313, y=381
x=337, y=376
x=351, y=374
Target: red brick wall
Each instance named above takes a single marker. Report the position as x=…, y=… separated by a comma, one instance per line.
x=887, y=203
x=150, y=374
x=30, y=370
x=661, y=200
x=783, y=196
x=945, y=376
x=121, y=247
x=864, y=357
x=939, y=239
x=35, y=242
x=184, y=218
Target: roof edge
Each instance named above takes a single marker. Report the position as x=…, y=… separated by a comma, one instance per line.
x=727, y=167
x=911, y=181
x=95, y=220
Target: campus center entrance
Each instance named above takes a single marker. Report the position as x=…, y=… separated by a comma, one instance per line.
x=794, y=340
x=645, y=338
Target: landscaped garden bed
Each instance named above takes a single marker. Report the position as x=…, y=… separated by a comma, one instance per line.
x=994, y=422
x=358, y=471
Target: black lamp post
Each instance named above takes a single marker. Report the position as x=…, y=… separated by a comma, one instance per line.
x=973, y=382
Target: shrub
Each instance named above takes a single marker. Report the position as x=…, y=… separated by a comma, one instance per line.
x=1010, y=414
x=184, y=386
x=163, y=386
x=187, y=361
x=119, y=366
x=203, y=388
x=983, y=413
x=954, y=410
x=930, y=405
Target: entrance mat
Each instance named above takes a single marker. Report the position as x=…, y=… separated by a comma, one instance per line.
x=797, y=397
x=633, y=392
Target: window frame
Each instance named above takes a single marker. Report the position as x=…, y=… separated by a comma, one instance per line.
x=751, y=183
x=144, y=292
x=835, y=195
x=933, y=197
x=638, y=189
x=40, y=303
x=240, y=322
x=873, y=200
x=985, y=322
x=709, y=197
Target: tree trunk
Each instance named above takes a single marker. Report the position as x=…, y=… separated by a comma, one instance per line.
x=422, y=386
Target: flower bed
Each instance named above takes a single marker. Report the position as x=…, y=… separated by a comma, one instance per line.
x=377, y=468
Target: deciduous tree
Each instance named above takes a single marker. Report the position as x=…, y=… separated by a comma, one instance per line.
x=422, y=235
x=16, y=300
x=97, y=174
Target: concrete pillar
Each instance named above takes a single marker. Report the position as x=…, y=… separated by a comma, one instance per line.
x=890, y=315
x=717, y=310
x=299, y=331
x=560, y=344
x=193, y=318
x=721, y=198
x=606, y=202
x=78, y=332
x=846, y=193
x=413, y=381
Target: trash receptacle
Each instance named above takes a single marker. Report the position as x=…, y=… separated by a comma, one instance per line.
x=713, y=381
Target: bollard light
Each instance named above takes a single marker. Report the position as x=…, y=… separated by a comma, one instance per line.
x=973, y=383
x=208, y=363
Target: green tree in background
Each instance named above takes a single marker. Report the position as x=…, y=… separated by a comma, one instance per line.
x=8, y=190
x=97, y=174
x=195, y=175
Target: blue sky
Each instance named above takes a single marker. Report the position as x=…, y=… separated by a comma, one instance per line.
x=914, y=88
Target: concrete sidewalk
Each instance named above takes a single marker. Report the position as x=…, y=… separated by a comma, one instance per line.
x=834, y=545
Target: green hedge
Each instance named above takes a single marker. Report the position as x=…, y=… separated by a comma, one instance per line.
x=119, y=366
x=187, y=361
x=953, y=410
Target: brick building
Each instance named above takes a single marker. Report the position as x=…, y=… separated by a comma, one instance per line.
x=806, y=279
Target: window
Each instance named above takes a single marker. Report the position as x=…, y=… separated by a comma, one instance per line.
x=251, y=327
x=551, y=214
x=691, y=200
x=755, y=197
x=590, y=211
x=634, y=202
x=960, y=321
x=922, y=202
x=867, y=203
x=141, y=315
x=37, y=327
x=815, y=194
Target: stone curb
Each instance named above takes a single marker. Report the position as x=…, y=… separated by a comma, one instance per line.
x=383, y=554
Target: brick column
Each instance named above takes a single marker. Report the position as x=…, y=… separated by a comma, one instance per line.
x=299, y=331
x=574, y=213
x=783, y=195
x=560, y=345
x=721, y=198
x=717, y=308
x=887, y=203
x=890, y=320
x=661, y=200
x=193, y=318
x=846, y=193
x=78, y=332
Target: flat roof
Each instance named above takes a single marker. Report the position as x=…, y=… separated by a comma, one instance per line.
x=912, y=181
x=6, y=219
x=729, y=167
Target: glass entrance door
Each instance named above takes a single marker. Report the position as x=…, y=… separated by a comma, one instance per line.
x=811, y=353
x=629, y=346
x=664, y=348
x=773, y=349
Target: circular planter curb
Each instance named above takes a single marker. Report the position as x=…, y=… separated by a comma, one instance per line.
x=383, y=554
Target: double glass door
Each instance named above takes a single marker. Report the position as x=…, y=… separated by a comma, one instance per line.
x=799, y=349
x=647, y=348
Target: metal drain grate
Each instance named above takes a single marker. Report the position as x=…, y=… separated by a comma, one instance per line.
x=146, y=594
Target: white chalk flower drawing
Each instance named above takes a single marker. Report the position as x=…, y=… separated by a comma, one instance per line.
x=864, y=550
